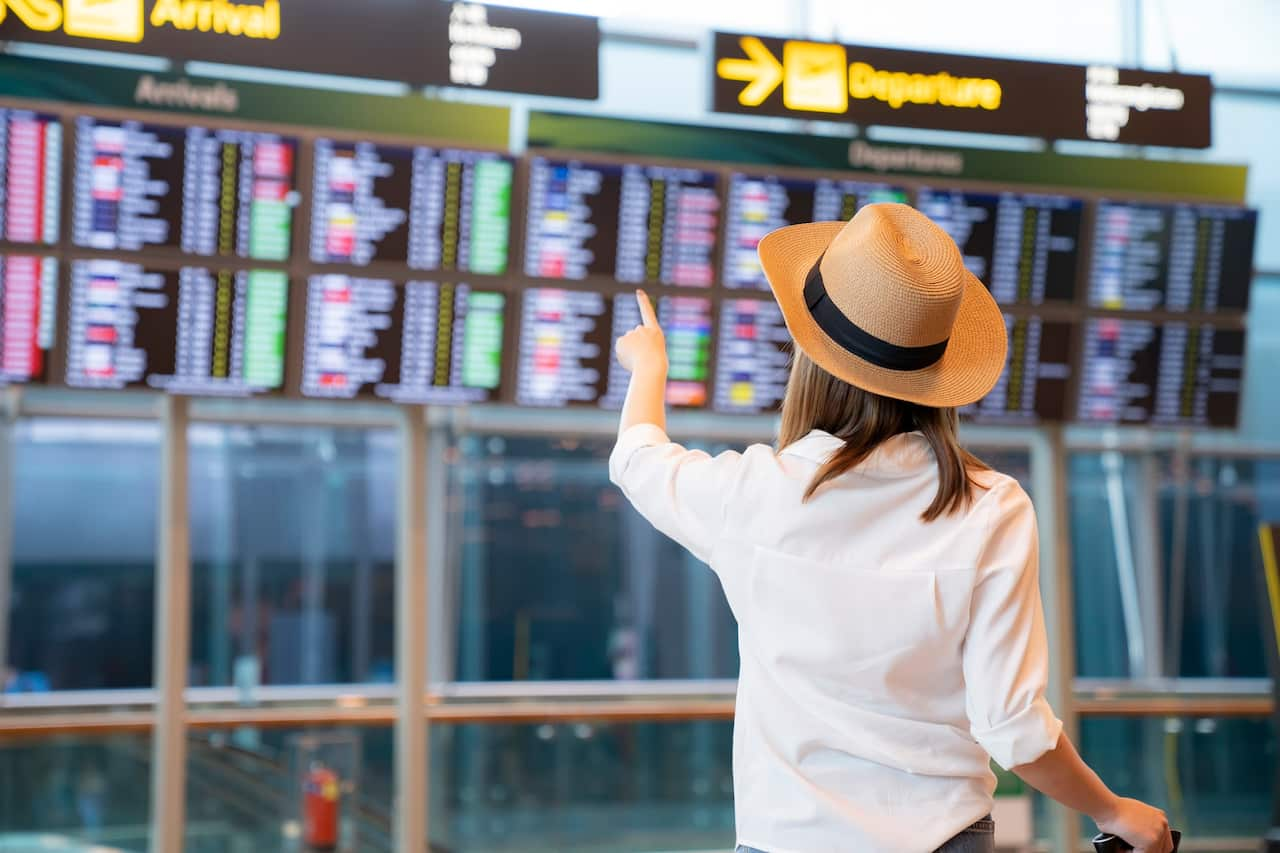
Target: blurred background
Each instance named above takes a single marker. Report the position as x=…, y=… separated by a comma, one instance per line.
x=358, y=581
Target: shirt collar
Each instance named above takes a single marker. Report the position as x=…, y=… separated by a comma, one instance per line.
x=904, y=453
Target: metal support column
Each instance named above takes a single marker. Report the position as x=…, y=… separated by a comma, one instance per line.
x=8, y=416
x=1049, y=493
x=172, y=634
x=411, y=744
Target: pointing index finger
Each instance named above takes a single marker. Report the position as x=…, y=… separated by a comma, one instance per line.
x=646, y=309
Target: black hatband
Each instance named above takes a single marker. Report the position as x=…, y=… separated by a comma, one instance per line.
x=857, y=340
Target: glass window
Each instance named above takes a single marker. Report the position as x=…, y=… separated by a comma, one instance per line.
x=1241, y=124
x=1260, y=410
x=247, y=788
x=292, y=548
x=84, y=552
x=554, y=576
x=1102, y=495
x=1213, y=776
x=580, y=786
x=90, y=790
x=1213, y=577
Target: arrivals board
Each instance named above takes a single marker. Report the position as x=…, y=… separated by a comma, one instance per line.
x=202, y=191
x=417, y=342
x=753, y=357
x=1035, y=382
x=565, y=348
x=28, y=306
x=30, y=176
x=429, y=208
x=192, y=330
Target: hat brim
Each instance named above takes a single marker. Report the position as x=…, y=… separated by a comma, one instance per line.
x=967, y=371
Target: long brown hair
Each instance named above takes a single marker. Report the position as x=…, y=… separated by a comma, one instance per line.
x=817, y=400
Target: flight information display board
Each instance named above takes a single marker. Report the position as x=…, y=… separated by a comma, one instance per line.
x=193, y=331
x=418, y=342
x=1173, y=257
x=565, y=347
x=1036, y=377
x=212, y=192
x=1171, y=373
x=1024, y=247
x=431, y=208
x=753, y=357
x=759, y=204
x=634, y=223
x=30, y=176
x=686, y=326
x=28, y=306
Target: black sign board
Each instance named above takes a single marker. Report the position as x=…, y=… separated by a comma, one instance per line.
x=756, y=75
x=423, y=42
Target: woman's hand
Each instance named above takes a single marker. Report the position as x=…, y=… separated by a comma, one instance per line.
x=644, y=348
x=1143, y=827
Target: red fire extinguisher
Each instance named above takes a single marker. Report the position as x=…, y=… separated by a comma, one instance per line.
x=320, y=808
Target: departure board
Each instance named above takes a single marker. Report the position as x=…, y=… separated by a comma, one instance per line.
x=30, y=176
x=565, y=347
x=1171, y=373
x=686, y=325
x=433, y=209
x=28, y=305
x=193, y=331
x=418, y=342
x=1035, y=381
x=759, y=204
x=223, y=193
x=1172, y=257
x=634, y=223
x=1024, y=247
x=753, y=357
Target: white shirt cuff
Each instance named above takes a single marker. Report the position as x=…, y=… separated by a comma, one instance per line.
x=1024, y=737
x=634, y=438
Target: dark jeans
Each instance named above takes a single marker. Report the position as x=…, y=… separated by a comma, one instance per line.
x=978, y=838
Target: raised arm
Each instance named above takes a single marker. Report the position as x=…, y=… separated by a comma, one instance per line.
x=643, y=351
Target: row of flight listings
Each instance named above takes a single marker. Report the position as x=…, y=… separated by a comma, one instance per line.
x=174, y=192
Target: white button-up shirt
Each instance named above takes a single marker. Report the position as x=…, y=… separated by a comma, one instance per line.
x=884, y=659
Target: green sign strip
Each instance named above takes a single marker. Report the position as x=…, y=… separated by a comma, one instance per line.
x=1210, y=181
x=408, y=115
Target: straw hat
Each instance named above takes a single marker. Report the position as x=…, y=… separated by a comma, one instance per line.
x=885, y=303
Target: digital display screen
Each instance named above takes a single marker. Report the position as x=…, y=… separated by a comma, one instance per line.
x=194, y=331
x=753, y=357
x=566, y=347
x=1025, y=248
x=28, y=306
x=30, y=176
x=418, y=342
x=759, y=204
x=1172, y=257
x=633, y=223
x=433, y=209
x=1172, y=373
x=686, y=325
x=218, y=193
x=1034, y=384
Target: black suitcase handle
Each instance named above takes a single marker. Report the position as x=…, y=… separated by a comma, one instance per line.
x=1104, y=843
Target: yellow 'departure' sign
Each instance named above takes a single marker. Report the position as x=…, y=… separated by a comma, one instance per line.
x=818, y=77
x=758, y=75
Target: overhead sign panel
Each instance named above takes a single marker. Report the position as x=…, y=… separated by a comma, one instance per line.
x=472, y=45
x=758, y=75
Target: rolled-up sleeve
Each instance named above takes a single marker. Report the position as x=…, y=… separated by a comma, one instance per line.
x=1006, y=653
x=681, y=492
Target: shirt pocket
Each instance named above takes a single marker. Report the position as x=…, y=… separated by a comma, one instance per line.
x=829, y=620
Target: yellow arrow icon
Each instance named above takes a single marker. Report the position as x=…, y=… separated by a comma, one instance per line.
x=762, y=70
x=42, y=15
